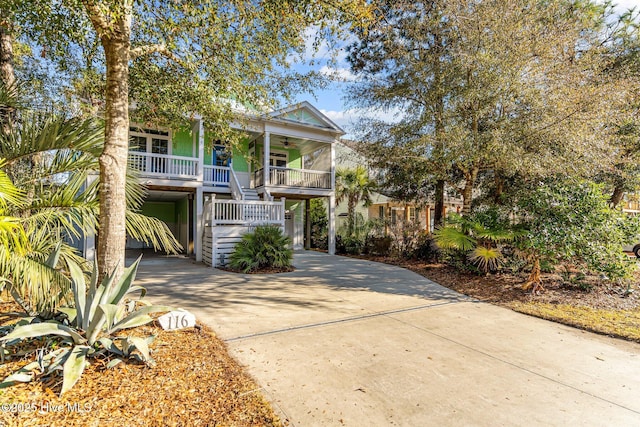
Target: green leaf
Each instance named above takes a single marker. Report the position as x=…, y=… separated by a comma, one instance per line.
x=124, y=285
x=452, y=238
x=113, y=363
x=73, y=367
x=111, y=312
x=43, y=329
x=79, y=289
x=139, y=317
x=110, y=346
x=142, y=346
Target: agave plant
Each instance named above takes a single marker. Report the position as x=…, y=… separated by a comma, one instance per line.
x=88, y=328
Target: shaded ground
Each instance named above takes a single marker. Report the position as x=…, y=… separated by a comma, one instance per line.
x=195, y=383
x=589, y=303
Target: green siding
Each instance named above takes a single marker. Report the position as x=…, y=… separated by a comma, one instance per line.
x=241, y=157
x=164, y=211
x=182, y=211
x=295, y=159
x=208, y=136
x=183, y=143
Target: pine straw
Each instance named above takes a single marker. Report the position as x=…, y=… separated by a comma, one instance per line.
x=195, y=383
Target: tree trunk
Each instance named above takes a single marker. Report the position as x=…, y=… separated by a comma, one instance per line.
x=534, y=282
x=499, y=183
x=113, y=160
x=6, y=73
x=467, y=190
x=438, y=217
x=616, y=197
x=351, y=213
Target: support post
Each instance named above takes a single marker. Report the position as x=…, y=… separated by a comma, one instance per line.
x=267, y=155
x=200, y=152
x=198, y=223
x=307, y=224
x=332, y=224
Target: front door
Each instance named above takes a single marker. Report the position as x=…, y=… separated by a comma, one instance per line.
x=289, y=217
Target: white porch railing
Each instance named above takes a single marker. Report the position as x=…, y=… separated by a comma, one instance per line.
x=164, y=165
x=245, y=212
x=289, y=177
x=216, y=175
x=236, y=188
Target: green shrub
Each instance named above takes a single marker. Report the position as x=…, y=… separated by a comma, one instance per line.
x=378, y=245
x=266, y=247
x=426, y=249
x=319, y=224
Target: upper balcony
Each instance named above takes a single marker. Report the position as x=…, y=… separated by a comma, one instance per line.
x=298, y=178
x=165, y=166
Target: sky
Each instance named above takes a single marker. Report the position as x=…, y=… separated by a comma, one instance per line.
x=331, y=101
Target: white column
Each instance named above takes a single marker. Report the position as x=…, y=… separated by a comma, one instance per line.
x=200, y=151
x=332, y=224
x=332, y=204
x=199, y=229
x=267, y=154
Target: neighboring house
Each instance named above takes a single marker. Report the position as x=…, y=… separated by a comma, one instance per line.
x=198, y=188
x=385, y=207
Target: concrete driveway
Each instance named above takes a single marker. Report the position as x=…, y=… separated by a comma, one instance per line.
x=342, y=341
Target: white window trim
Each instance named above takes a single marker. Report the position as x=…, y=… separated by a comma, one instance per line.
x=286, y=154
x=150, y=136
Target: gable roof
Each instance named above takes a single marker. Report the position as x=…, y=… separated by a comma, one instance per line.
x=305, y=114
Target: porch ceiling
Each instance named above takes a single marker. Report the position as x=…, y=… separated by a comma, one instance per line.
x=166, y=196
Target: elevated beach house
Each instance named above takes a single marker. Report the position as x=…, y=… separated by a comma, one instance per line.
x=209, y=194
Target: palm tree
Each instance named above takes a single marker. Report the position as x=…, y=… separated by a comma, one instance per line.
x=355, y=186
x=48, y=192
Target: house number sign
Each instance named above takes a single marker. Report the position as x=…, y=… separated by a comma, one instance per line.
x=177, y=319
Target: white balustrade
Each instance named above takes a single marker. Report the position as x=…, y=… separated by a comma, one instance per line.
x=164, y=165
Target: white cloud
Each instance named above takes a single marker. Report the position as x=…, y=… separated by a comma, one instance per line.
x=347, y=119
x=341, y=74
x=624, y=5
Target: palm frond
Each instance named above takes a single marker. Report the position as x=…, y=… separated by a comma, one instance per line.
x=486, y=259
x=9, y=193
x=151, y=231
x=34, y=281
x=452, y=238
x=46, y=133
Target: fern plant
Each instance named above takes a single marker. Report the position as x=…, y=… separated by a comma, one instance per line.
x=266, y=247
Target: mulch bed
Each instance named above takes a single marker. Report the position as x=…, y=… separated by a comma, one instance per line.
x=194, y=383
x=596, y=298
x=506, y=288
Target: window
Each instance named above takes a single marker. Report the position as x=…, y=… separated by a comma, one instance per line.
x=381, y=212
x=412, y=214
x=149, y=140
x=394, y=216
x=278, y=159
x=220, y=156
